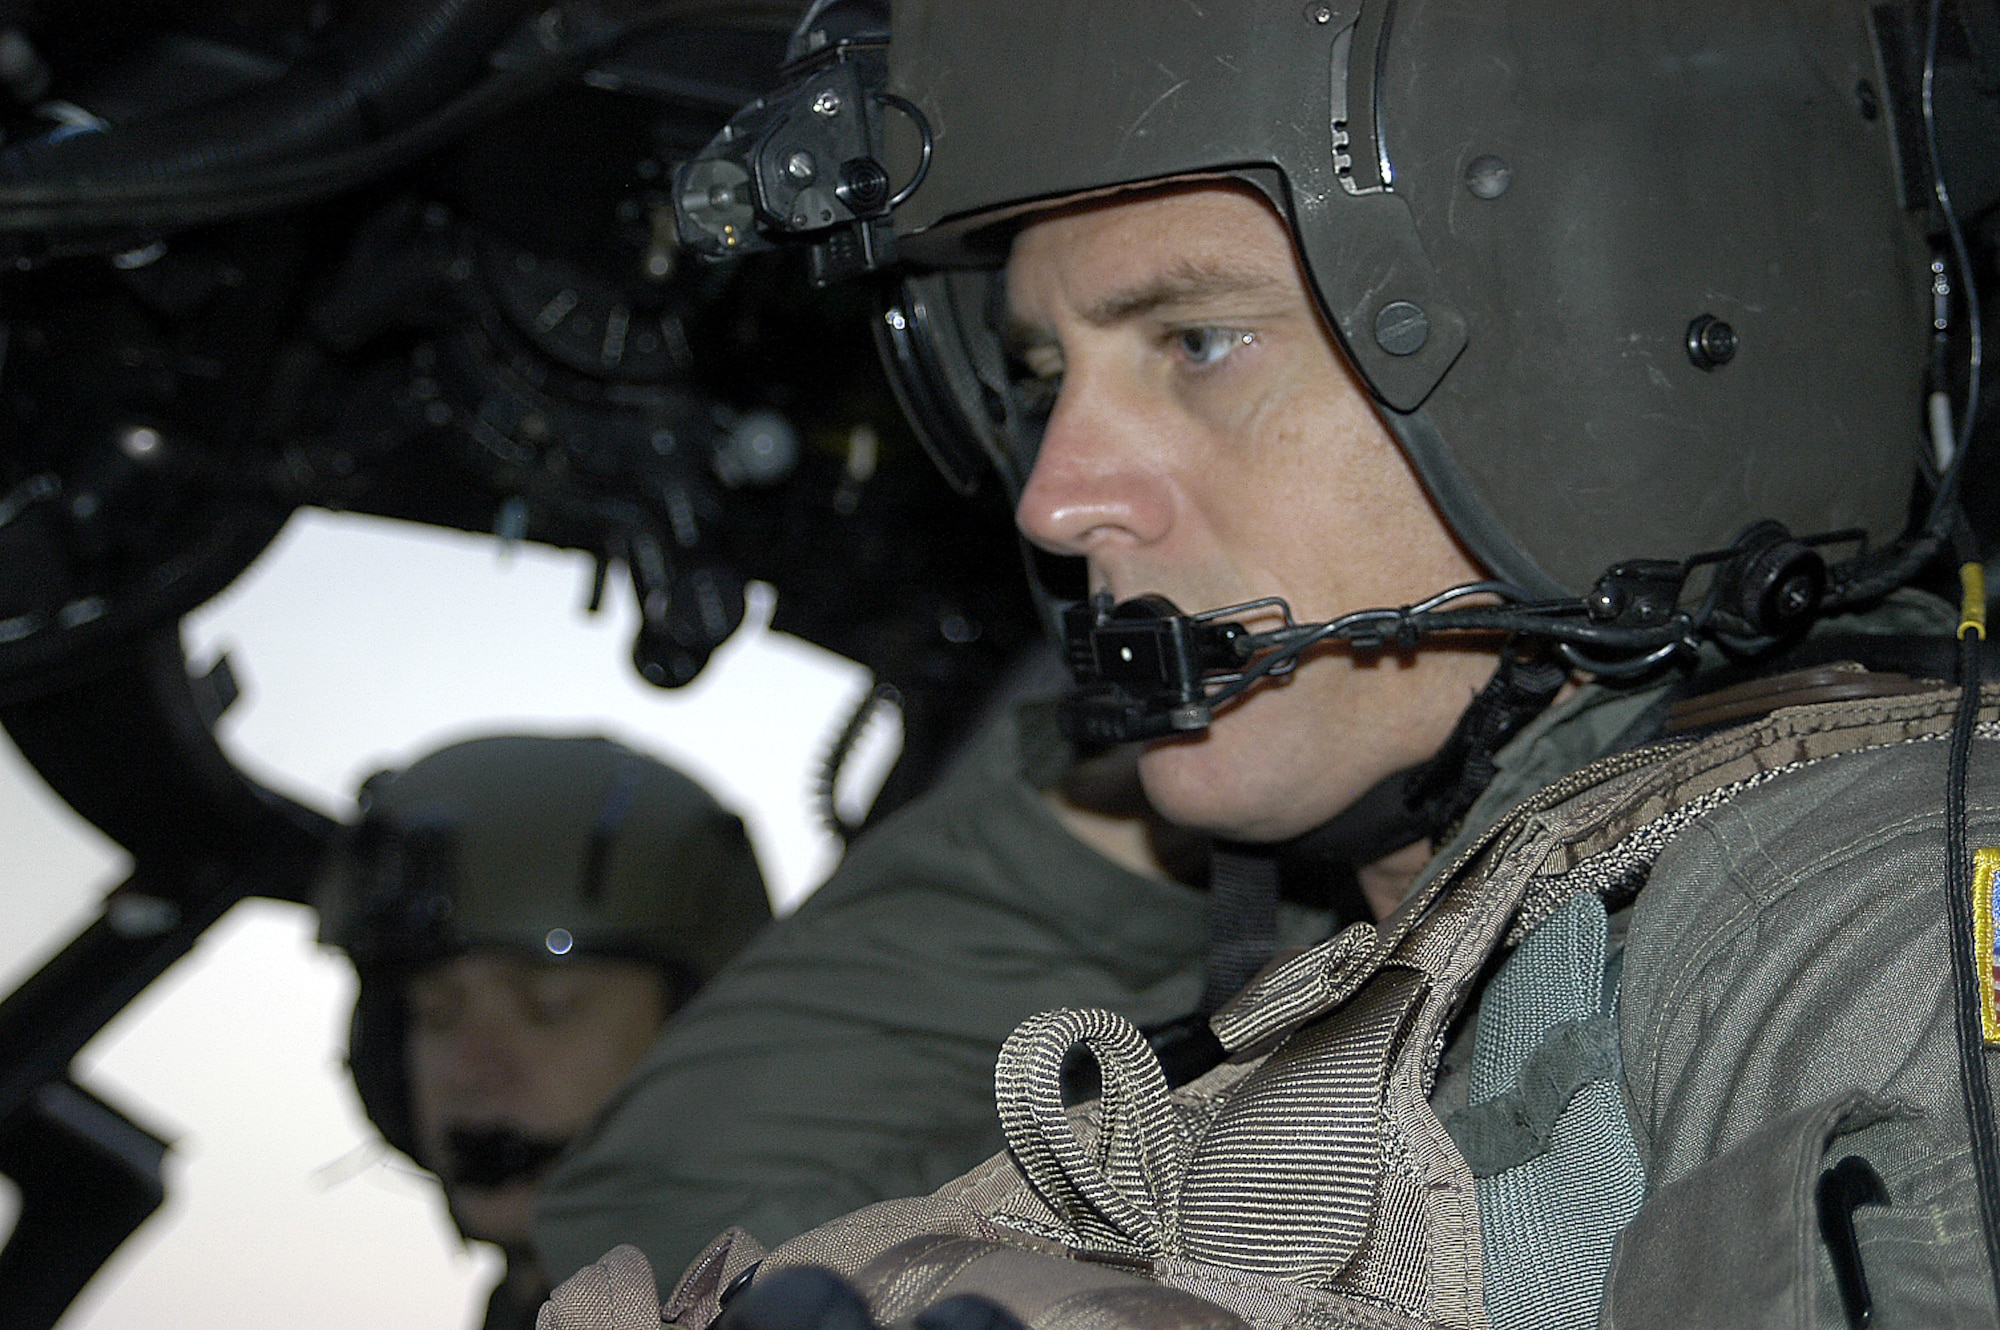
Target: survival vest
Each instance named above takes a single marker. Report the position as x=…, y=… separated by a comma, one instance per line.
x=1307, y=1182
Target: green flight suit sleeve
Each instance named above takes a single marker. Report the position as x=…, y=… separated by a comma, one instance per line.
x=1786, y=1003
x=847, y=1056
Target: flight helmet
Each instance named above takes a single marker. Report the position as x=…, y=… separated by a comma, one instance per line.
x=1625, y=281
x=557, y=848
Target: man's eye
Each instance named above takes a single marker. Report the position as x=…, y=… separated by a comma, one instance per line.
x=436, y=1015
x=1035, y=395
x=1209, y=346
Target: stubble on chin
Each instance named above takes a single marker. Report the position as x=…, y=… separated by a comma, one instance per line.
x=1206, y=783
x=1288, y=757
x=500, y=1215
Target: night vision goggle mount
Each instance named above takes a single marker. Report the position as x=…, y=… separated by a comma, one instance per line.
x=1145, y=670
x=803, y=164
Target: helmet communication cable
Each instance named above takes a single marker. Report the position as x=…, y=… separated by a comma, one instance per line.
x=1147, y=669
x=826, y=785
x=1970, y=969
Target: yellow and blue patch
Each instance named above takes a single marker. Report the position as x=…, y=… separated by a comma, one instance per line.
x=1985, y=865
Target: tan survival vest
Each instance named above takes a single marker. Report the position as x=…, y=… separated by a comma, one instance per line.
x=1307, y=1182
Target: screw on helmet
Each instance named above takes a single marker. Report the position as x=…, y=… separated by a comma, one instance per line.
x=552, y=847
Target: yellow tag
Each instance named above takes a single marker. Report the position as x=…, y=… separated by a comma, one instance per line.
x=1972, y=601
x=1985, y=863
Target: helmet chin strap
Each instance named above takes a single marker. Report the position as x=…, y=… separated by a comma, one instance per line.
x=491, y=1157
x=1427, y=801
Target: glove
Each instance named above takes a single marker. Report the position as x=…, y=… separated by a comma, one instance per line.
x=810, y=1298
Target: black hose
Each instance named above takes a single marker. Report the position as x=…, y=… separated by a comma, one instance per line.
x=225, y=186
x=1861, y=580
x=387, y=64
x=195, y=200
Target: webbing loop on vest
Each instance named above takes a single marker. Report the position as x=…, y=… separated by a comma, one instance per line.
x=1281, y=1179
x=1119, y=1196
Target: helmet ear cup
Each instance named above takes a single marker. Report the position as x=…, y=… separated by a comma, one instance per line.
x=939, y=339
x=911, y=355
x=1774, y=585
x=375, y=1059
x=1780, y=588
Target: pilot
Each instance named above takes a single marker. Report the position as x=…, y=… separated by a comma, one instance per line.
x=1540, y=391
x=524, y=913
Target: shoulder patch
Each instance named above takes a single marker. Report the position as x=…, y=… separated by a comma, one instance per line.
x=1985, y=864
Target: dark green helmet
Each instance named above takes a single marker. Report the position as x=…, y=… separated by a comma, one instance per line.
x=553, y=847
x=1624, y=279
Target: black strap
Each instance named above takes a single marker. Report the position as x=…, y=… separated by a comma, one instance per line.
x=1242, y=939
x=1428, y=800
x=1242, y=920
x=1521, y=689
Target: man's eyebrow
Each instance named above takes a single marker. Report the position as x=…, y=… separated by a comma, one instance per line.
x=1187, y=283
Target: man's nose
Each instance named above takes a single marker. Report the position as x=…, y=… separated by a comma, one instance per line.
x=1099, y=482
x=483, y=1056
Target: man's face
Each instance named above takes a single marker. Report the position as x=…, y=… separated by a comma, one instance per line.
x=1208, y=443
x=498, y=1041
